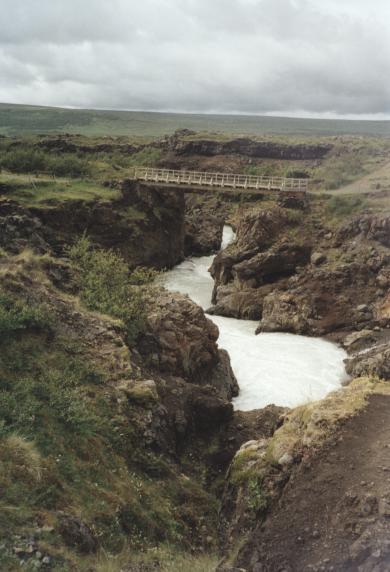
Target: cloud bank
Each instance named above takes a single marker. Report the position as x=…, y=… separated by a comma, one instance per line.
x=312, y=57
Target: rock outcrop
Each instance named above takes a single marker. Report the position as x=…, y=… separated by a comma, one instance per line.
x=273, y=274
x=146, y=224
x=366, y=227
x=246, y=147
x=247, y=270
x=307, y=499
x=19, y=229
x=181, y=341
x=373, y=361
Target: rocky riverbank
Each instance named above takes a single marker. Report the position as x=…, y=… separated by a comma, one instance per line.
x=114, y=444
x=295, y=271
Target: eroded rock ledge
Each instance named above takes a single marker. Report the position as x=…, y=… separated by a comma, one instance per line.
x=295, y=273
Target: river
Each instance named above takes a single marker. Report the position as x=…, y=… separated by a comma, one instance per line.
x=283, y=369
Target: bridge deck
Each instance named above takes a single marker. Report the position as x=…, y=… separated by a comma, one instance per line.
x=222, y=180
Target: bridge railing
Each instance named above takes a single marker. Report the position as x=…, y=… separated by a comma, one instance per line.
x=170, y=176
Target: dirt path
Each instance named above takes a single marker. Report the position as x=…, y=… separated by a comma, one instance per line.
x=377, y=180
x=334, y=514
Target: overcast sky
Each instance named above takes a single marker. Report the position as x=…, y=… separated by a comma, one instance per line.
x=291, y=57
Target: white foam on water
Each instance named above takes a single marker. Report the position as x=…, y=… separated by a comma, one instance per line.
x=283, y=369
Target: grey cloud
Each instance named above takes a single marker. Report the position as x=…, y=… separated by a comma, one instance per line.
x=249, y=56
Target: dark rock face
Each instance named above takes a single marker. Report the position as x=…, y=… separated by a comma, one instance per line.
x=222, y=377
x=20, y=230
x=276, y=263
x=245, y=272
x=368, y=227
x=322, y=300
x=271, y=274
x=181, y=341
x=210, y=412
x=205, y=216
x=374, y=362
x=203, y=235
x=76, y=533
x=247, y=147
x=146, y=225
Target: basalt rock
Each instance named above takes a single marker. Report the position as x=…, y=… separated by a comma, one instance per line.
x=146, y=224
x=203, y=234
x=181, y=341
x=268, y=267
x=19, y=229
x=373, y=362
x=322, y=300
x=246, y=272
x=368, y=227
x=246, y=147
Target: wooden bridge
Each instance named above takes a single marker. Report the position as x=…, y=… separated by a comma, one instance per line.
x=222, y=180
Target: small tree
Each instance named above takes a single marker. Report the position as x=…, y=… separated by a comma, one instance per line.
x=107, y=286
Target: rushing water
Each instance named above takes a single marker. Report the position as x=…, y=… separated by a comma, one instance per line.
x=283, y=369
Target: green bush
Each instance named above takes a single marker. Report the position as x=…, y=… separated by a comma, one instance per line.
x=341, y=206
x=67, y=166
x=107, y=286
x=26, y=403
x=37, y=161
x=18, y=315
x=24, y=161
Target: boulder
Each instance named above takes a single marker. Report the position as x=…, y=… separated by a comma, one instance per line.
x=76, y=533
x=180, y=340
x=359, y=339
x=367, y=226
x=284, y=312
x=374, y=362
x=202, y=237
x=317, y=258
x=222, y=377
x=179, y=337
x=270, y=266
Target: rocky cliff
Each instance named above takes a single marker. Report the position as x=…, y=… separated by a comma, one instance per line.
x=296, y=273
x=246, y=147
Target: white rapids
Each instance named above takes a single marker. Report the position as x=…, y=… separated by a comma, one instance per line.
x=283, y=369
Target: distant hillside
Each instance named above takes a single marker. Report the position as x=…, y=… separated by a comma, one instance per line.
x=24, y=119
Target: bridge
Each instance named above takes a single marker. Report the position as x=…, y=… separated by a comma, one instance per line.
x=221, y=180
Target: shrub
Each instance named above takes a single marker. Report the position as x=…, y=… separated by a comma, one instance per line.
x=18, y=315
x=340, y=206
x=107, y=286
x=19, y=458
x=67, y=166
x=24, y=161
x=28, y=402
x=37, y=161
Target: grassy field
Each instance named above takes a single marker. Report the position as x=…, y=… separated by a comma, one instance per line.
x=23, y=119
x=31, y=190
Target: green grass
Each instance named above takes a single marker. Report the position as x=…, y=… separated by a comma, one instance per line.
x=340, y=206
x=67, y=445
x=31, y=190
x=24, y=119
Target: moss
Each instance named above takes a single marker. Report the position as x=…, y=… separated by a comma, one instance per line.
x=345, y=205
x=257, y=497
x=243, y=466
x=67, y=444
x=17, y=315
x=141, y=394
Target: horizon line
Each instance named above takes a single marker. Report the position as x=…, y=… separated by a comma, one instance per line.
x=302, y=115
